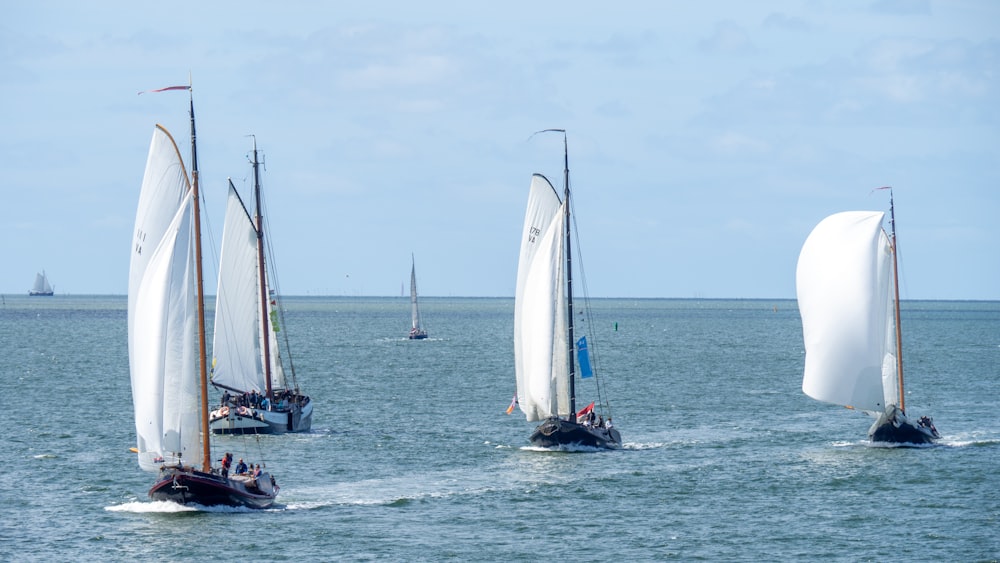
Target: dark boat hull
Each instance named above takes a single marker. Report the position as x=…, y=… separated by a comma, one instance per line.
x=894, y=428
x=418, y=334
x=555, y=432
x=188, y=486
x=904, y=433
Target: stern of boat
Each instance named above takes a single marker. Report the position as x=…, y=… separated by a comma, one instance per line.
x=238, y=420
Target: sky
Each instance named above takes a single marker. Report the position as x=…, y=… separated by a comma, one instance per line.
x=706, y=139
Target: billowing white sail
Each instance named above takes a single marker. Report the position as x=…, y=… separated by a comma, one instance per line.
x=844, y=287
x=162, y=312
x=238, y=361
x=540, y=327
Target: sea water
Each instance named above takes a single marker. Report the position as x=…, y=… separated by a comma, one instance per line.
x=411, y=456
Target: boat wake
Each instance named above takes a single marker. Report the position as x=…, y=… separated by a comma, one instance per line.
x=564, y=448
x=640, y=446
x=970, y=442
x=894, y=445
x=167, y=507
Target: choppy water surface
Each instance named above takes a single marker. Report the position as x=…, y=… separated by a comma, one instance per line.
x=411, y=456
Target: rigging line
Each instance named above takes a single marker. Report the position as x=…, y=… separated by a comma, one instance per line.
x=274, y=284
x=593, y=346
x=207, y=218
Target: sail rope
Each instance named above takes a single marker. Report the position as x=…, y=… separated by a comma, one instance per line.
x=276, y=286
x=247, y=448
x=588, y=312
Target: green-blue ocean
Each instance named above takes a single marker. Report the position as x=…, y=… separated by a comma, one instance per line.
x=411, y=456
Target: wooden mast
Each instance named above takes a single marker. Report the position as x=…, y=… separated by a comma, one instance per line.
x=895, y=285
x=262, y=280
x=206, y=447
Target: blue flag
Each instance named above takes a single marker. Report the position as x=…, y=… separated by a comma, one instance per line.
x=584, y=357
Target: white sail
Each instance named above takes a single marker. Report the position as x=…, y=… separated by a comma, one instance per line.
x=236, y=348
x=540, y=328
x=41, y=286
x=162, y=312
x=414, y=310
x=238, y=359
x=844, y=287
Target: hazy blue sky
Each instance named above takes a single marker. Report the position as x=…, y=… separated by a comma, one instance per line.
x=706, y=138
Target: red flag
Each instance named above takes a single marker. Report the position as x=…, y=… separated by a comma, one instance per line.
x=513, y=402
x=165, y=89
x=585, y=411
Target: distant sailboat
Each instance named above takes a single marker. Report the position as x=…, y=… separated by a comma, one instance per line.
x=848, y=296
x=247, y=356
x=544, y=340
x=41, y=287
x=166, y=340
x=417, y=331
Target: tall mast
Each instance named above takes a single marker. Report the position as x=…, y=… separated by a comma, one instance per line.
x=895, y=286
x=264, y=318
x=569, y=283
x=206, y=448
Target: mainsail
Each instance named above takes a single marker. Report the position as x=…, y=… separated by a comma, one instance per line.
x=540, y=327
x=41, y=286
x=162, y=312
x=844, y=287
x=414, y=310
x=238, y=344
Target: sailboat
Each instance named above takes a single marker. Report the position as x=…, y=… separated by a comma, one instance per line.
x=247, y=357
x=166, y=340
x=848, y=295
x=544, y=331
x=41, y=287
x=417, y=331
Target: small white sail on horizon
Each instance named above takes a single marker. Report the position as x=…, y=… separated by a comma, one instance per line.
x=41, y=285
x=417, y=331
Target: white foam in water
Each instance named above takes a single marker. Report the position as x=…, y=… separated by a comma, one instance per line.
x=168, y=507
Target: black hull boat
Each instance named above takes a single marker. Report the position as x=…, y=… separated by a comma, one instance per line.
x=185, y=485
x=417, y=334
x=555, y=432
x=847, y=289
x=167, y=342
x=895, y=428
x=549, y=355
